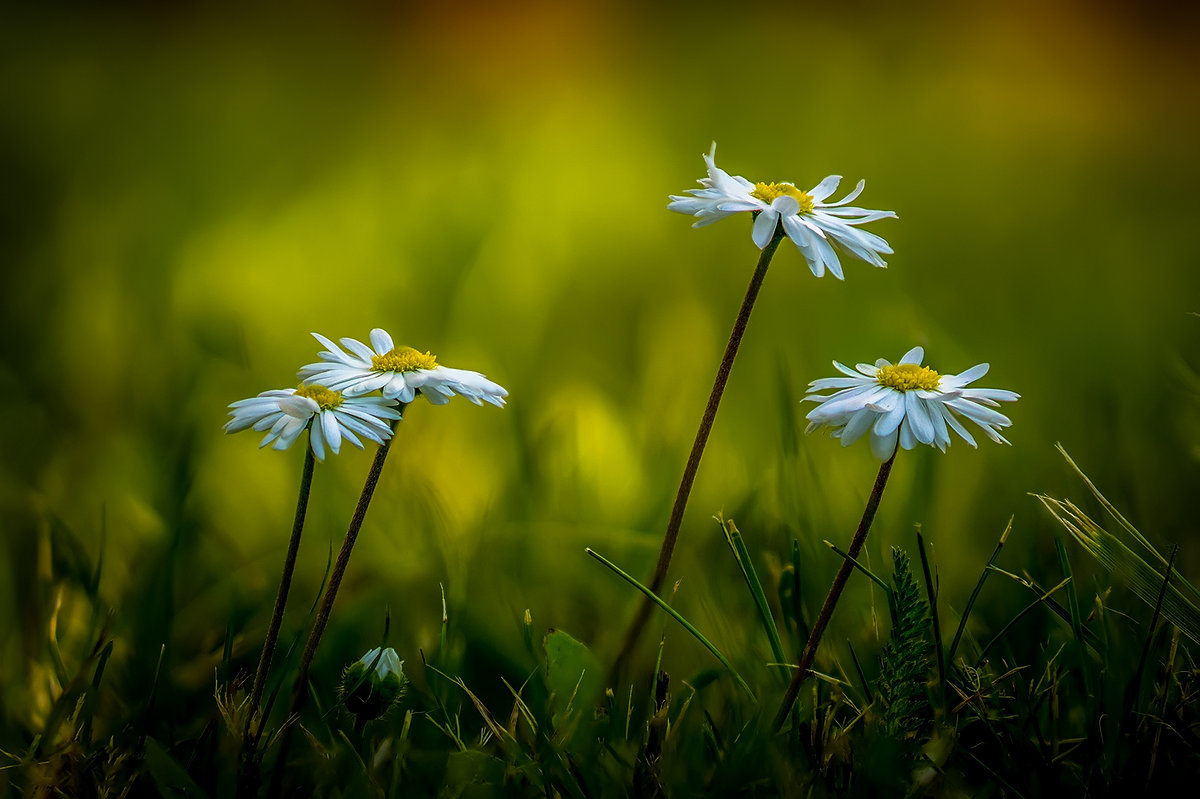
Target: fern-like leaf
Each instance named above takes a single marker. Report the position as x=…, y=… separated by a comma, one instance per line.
x=907, y=658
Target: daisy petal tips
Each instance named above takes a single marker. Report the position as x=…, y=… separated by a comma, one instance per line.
x=333, y=418
x=906, y=404
x=820, y=229
x=399, y=373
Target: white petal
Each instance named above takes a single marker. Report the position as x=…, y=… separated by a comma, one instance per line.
x=883, y=447
x=331, y=430
x=826, y=187
x=764, y=228
x=358, y=348
x=858, y=424
x=316, y=440
x=849, y=197
x=381, y=341
x=916, y=411
x=890, y=421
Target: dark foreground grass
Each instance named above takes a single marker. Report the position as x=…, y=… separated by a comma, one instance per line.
x=1080, y=693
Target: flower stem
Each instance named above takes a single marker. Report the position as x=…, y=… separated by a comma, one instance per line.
x=693, y=461
x=835, y=591
x=285, y=584
x=300, y=687
x=339, y=571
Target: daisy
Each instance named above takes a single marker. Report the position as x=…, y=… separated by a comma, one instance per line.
x=908, y=403
x=286, y=413
x=399, y=372
x=818, y=228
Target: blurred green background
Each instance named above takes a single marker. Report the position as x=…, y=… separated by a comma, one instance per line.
x=186, y=193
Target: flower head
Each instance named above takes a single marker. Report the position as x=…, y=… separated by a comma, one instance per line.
x=818, y=228
x=400, y=373
x=906, y=402
x=374, y=684
x=286, y=413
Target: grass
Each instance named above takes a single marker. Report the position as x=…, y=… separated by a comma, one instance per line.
x=1079, y=696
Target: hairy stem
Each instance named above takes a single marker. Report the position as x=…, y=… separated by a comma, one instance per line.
x=285, y=585
x=693, y=461
x=835, y=591
x=300, y=687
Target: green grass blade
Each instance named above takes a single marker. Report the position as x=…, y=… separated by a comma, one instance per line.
x=862, y=678
x=966, y=614
x=674, y=614
x=1092, y=639
x=1178, y=605
x=887, y=589
x=1024, y=612
x=742, y=555
x=1121, y=520
x=1077, y=621
x=931, y=595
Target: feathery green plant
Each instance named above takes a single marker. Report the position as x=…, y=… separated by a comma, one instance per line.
x=1180, y=601
x=906, y=659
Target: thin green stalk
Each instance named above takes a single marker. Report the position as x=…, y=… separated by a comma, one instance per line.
x=285, y=585
x=299, y=692
x=693, y=461
x=655, y=600
x=1024, y=612
x=931, y=593
x=835, y=591
x=872, y=576
x=339, y=571
x=742, y=555
x=962, y=622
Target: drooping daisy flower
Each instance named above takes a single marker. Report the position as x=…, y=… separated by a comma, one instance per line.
x=286, y=413
x=818, y=228
x=399, y=372
x=906, y=402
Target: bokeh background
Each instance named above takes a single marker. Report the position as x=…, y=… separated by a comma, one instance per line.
x=186, y=192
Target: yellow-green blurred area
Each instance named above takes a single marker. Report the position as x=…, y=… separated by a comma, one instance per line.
x=189, y=190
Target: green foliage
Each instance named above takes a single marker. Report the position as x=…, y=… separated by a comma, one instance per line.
x=1144, y=573
x=906, y=659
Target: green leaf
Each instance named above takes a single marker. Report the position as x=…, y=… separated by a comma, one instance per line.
x=171, y=779
x=574, y=676
x=742, y=555
x=470, y=771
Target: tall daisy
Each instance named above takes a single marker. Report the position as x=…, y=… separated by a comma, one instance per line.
x=821, y=229
x=331, y=418
x=902, y=405
x=906, y=403
x=400, y=373
x=817, y=227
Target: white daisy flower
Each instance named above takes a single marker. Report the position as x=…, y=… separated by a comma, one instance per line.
x=399, y=372
x=286, y=413
x=908, y=402
x=818, y=228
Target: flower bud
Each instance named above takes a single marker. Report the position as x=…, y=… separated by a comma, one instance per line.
x=374, y=684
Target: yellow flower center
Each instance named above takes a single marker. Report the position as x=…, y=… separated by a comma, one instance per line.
x=767, y=192
x=403, y=359
x=322, y=396
x=908, y=377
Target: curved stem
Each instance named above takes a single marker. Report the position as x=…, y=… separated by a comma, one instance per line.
x=693, y=461
x=299, y=689
x=835, y=591
x=339, y=571
x=285, y=584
